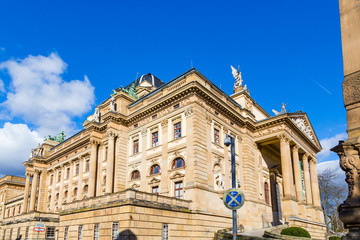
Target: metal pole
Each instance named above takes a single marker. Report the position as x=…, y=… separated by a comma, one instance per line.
x=37, y=236
x=233, y=183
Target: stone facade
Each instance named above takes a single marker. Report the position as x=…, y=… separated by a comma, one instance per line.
x=157, y=166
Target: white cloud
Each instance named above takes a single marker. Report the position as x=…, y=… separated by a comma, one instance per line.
x=2, y=86
x=16, y=143
x=40, y=96
x=328, y=143
x=332, y=165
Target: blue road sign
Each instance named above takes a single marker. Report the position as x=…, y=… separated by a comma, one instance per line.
x=234, y=198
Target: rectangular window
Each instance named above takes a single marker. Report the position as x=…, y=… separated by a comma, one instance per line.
x=77, y=169
x=177, y=130
x=87, y=165
x=96, y=231
x=50, y=233
x=26, y=233
x=66, y=233
x=106, y=153
x=51, y=179
x=154, y=116
x=155, y=139
x=18, y=233
x=67, y=173
x=115, y=231
x=179, y=190
x=135, y=125
x=165, y=232
x=216, y=136
x=176, y=106
x=135, y=146
x=59, y=176
x=155, y=190
x=80, y=232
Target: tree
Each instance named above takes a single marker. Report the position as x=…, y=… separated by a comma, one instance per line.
x=333, y=191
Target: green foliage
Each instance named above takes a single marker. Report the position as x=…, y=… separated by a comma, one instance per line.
x=334, y=238
x=296, y=232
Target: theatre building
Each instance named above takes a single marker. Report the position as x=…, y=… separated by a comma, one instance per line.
x=150, y=163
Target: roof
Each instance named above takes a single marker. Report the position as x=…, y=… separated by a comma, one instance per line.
x=147, y=77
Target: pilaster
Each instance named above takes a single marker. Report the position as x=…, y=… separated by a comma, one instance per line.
x=34, y=186
x=110, y=162
x=92, y=175
x=26, y=194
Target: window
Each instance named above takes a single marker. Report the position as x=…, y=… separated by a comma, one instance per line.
x=179, y=190
x=176, y=106
x=67, y=173
x=106, y=153
x=165, y=232
x=136, y=125
x=80, y=232
x=154, y=116
x=266, y=191
x=59, y=176
x=50, y=233
x=18, y=233
x=49, y=199
x=51, y=179
x=19, y=210
x=177, y=130
x=155, y=169
x=216, y=136
x=75, y=192
x=96, y=231
x=115, y=231
x=10, y=233
x=86, y=188
x=178, y=163
x=87, y=165
x=77, y=169
x=155, y=139
x=57, y=197
x=66, y=233
x=27, y=233
x=135, y=175
x=66, y=194
x=5, y=234
x=135, y=146
x=155, y=190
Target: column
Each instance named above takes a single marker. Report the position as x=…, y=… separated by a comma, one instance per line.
x=307, y=178
x=297, y=173
x=110, y=163
x=61, y=190
x=34, y=185
x=92, y=175
x=80, y=179
x=70, y=188
x=26, y=194
x=286, y=166
x=314, y=183
x=53, y=186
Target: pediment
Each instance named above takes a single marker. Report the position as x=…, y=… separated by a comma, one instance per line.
x=303, y=123
x=177, y=175
x=145, y=84
x=154, y=180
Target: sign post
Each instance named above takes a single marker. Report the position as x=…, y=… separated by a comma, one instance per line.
x=39, y=227
x=233, y=198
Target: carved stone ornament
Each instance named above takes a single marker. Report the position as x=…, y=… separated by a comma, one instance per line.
x=143, y=132
x=302, y=125
x=177, y=175
x=164, y=123
x=284, y=137
x=188, y=111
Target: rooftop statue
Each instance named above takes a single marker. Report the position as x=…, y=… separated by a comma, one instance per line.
x=96, y=116
x=59, y=138
x=112, y=103
x=237, y=76
x=283, y=109
x=130, y=90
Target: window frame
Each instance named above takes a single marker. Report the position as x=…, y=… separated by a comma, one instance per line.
x=152, y=168
x=174, y=163
x=87, y=165
x=80, y=232
x=113, y=230
x=96, y=232
x=177, y=130
x=157, y=189
x=216, y=136
x=135, y=146
x=133, y=175
x=50, y=230
x=66, y=233
x=155, y=139
x=179, y=190
x=77, y=169
x=165, y=230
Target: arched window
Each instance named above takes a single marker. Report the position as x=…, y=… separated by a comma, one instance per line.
x=75, y=192
x=266, y=191
x=86, y=188
x=178, y=163
x=135, y=175
x=49, y=199
x=155, y=169
x=57, y=197
x=65, y=194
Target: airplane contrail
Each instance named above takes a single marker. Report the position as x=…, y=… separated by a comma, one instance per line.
x=321, y=86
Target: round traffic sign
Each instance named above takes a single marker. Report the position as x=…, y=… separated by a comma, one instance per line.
x=234, y=198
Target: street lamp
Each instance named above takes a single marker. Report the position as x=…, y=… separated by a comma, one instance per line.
x=231, y=141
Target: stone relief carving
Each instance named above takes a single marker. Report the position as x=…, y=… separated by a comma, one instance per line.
x=188, y=111
x=301, y=123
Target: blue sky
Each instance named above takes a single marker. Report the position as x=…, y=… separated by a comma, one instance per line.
x=78, y=51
